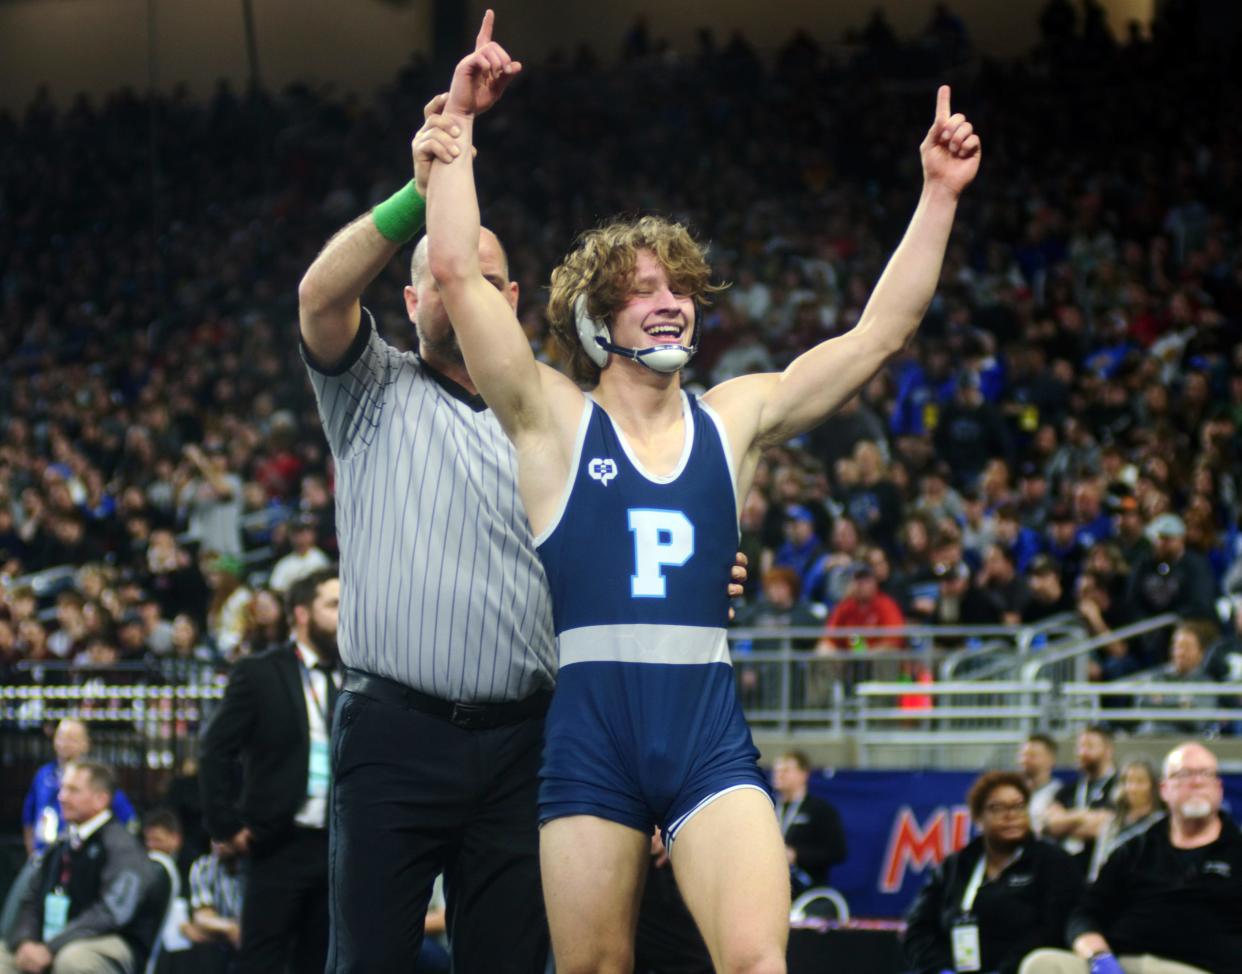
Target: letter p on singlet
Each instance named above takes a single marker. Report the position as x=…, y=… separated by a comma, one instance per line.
x=662, y=539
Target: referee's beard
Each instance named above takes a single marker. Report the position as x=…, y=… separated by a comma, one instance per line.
x=446, y=350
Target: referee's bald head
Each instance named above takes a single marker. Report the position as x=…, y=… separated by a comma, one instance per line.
x=487, y=239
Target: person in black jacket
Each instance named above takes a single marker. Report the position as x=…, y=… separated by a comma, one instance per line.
x=814, y=838
x=88, y=907
x=1168, y=901
x=275, y=720
x=1004, y=895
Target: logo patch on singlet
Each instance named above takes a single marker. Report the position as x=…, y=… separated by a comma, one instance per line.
x=602, y=470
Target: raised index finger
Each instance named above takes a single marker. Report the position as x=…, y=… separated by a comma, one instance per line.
x=485, y=32
x=942, y=104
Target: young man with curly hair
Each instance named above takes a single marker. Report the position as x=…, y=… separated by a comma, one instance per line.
x=632, y=493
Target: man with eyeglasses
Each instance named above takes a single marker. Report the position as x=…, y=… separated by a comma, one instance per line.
x=1169, y=901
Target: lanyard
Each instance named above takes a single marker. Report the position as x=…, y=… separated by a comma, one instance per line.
x=309, y=683
x=1090, y=792
x=789, y=813
x=976, y=880
x=65, y=869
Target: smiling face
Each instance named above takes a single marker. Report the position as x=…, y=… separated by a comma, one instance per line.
x=656, y=311
x=639, y=278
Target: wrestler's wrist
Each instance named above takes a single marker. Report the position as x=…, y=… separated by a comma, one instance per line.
x=400, y=216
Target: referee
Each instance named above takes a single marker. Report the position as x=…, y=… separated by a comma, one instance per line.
x=445, y=621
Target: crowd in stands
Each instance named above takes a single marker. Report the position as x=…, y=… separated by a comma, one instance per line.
x=1062, y=437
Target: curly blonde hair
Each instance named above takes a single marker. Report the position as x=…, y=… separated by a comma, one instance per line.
x=602, y=265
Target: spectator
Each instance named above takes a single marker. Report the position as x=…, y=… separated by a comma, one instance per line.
x=265, y=624
x=999, y=579
x=305, y=557
x=212, y=500
x=958, y=602
x=1084, y=807
x=829, y=576
x=1091, y=524
x=161, y=832
x=1063, y=544
x=1224, y=659
x=1171, y=579
x=864, y=606
x=1034, y=501
x=978, y=528
x=1097, y=611
x=1170, y=899
x=1001, y=897
x=1048, y=595
x=854, y=424
x=801, y=547
x=173, y=578
x=42, y=819
x=216, y=899
x=1129, y=532
x=89, y=905
x=779, y=608
x=192, y=661
x=970, y=432
x=1186, y=665
x=937, y=500
x=814, y=836
x=1137, y=806
x=1037, y=758
x=873, y=503
x=230, y=598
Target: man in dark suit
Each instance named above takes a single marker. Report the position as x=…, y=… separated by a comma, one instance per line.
x=275, y=721
x=814, y=838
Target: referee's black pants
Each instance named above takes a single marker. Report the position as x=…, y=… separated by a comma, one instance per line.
x=414, y=795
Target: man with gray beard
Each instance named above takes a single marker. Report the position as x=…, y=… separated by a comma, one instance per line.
x=1168, y=901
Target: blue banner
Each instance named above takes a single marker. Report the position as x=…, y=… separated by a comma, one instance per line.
x=901, y=824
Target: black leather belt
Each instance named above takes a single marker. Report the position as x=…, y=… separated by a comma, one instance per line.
x=469, y=716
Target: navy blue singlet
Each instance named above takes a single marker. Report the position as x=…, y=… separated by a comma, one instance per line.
x=645, y=726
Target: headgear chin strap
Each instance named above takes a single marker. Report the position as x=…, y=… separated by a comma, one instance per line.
x=597, y=343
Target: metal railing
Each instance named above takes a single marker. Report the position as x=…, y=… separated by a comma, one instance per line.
x=147, y=733
x=1154, y=706
x=790, y=680
x=1003, y=660
x=947, y=714
x=1068, y=663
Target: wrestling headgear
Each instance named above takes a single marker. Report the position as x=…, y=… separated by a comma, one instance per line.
x=597, y=341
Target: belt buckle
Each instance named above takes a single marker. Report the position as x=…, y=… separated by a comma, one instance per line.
x=469, y=716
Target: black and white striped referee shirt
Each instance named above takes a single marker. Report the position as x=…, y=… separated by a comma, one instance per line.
x=441, y=586
x=213, y=886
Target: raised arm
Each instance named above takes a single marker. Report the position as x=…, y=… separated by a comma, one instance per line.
x=817, y=382
x=496, y=351
x=329, y=308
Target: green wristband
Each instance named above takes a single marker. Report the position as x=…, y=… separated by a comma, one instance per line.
x=400, y=216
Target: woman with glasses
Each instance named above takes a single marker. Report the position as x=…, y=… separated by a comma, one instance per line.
x=1002, y=896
